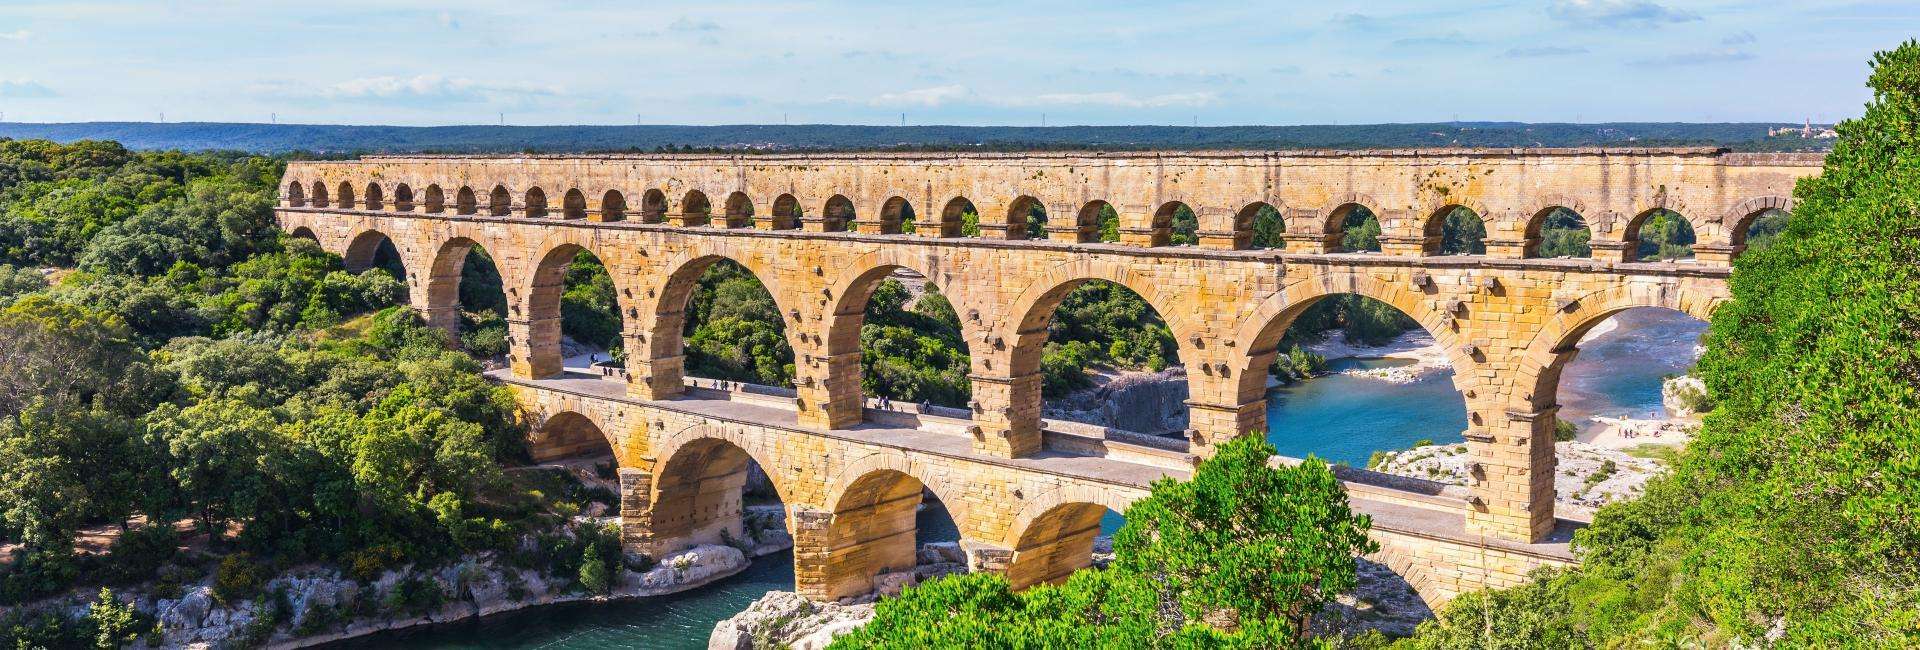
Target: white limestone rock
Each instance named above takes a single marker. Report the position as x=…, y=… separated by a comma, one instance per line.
x=1685, y=396
x=783, y=619
x=1582, y=481
x=690, y=567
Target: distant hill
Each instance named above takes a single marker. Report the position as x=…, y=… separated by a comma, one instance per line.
x=337, y=140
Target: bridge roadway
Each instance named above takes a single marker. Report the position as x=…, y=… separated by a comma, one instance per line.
x=1421, y=525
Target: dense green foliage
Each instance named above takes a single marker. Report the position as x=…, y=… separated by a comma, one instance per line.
x=1243, y=555
x=1665, y=235
x=1565, y=234
x=913, y=353
x=1793, y=516
x=1463, y=233
x=734, y=330
x=181, y=374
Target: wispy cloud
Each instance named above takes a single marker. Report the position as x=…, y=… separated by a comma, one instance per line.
x=1116, y=100
x=1742, y=38
x=685, y=24
x=1356, y=21
x=1452, y=39
x=1703, y=57
x=926, y=97
x=16, y=35
x=25, y=89
x=418, y=89
x=1542, y=52
x=1617, y=13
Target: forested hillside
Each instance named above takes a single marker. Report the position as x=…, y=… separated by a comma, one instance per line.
x=748, y=138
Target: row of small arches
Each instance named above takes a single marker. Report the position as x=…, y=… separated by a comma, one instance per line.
x=1257, y=225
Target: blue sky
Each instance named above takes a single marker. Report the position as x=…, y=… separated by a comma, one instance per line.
x=1116, y=62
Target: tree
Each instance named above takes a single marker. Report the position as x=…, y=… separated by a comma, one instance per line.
x=214, y=451
x=1243, y=555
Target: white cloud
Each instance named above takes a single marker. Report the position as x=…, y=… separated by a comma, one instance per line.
x=425, y=88
x=927, y=97
x=25, y=89
x=1617, y=13
x=16, y=35
x=1704, y=57
x=1116, y=99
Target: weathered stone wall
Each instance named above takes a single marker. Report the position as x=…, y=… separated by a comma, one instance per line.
x=1509, y=323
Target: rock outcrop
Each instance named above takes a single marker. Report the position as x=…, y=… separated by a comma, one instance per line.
x=1586, y=478
x=1146, y=402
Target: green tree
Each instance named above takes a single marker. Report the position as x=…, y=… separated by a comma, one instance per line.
x=1463, y=233
x=1565, y=234
x=215, y=451
x=1360, y=231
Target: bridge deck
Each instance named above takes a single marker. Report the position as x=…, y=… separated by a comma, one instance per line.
x=1437, y=515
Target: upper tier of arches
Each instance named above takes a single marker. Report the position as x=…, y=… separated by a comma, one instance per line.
x=1718, y=194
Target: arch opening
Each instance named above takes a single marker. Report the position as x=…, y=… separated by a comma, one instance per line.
x=712, y=491
x=344, y=196
x=1065, y=538
x=1359, y=229
x=726, y=323
x=1103, y=219
x=1660, y=235
x=569, y=436
x=1175, y=224
x=959, y=219
x=478, y=298
x=739, y=212
x=1262, y=226
x=436, y=199
x=1085, y=333
x=304, y=232
x=320, y=194
x=695, y=209
x=573, y=205
x=1456, y=230
x=573, y=286
x=499, y=202
x=373, y=250
x=1559, y=232
x=838, y=215
x=376, y=200
x=535, y=206
x=786, y=213
x=465, y=203
x=877, y=529
x=909, y=340
x=296, y=194
x=896, y=216
x=403, y=198
x=1623, y=379
x=1759, y=230
x=613, y=207
x=1027, y=219
x=653, y=206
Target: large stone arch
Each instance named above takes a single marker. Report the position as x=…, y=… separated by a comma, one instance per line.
x=655, y=348
x=1053, y=535
x=872, y=525
x=851, y=290
x=533, y=299
x=1735, y=221
x=1537, y=379
x=365, y=244
x=698, y=474
x=1257, y=337
x=441, y=306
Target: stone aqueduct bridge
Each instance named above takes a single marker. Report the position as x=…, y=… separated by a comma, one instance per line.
x=1027, y=494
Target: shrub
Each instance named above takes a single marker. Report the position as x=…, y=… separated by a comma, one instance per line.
x=239, y=578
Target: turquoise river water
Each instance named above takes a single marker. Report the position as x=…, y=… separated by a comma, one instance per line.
x=1336, y=417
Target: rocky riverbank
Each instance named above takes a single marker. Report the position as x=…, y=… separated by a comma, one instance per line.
x=1587, y=476
x=1147, y=402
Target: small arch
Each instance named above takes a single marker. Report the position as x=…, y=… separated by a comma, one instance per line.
x=1099, y=222
x=296, y=194
x=695, y=209
x=1026, y=218
x=320, y=194
x=1455, y=229
x=500, y=202
x=403, y=198
x=653, y=206
x=1558, y=231
x=536, y=204
x=1260, y=225
x=959, y=219
x=1174, y=224
x=1764, y=216
x=436, y=199
x=567, y=435
x=896, y=216
x=1659, y=234
x=1055, y=540
x=465, y=203
x=739, y=212
x=786, y=213
x=613, y=206
x=376, y=200
x=573, y=205
x=873, y=530
x=1358, y=227
x=304, y=232
x=345, y=196
x=374, y=249
x=838, y=215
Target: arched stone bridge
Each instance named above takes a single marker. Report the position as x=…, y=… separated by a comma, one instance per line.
x=1021, y=490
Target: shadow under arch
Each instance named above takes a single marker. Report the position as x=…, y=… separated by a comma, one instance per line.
x=567, y=435
x=374, y=249
x=1054, y=534
x=699, y=483
x=304, y=233
x=853, y=291
x=874, y=524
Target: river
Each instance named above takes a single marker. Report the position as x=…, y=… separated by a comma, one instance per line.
x=1341, y=418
